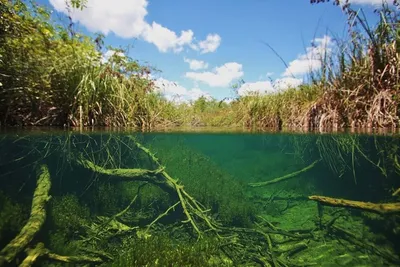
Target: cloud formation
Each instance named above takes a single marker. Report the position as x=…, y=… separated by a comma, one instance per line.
x=196, y=64
x=210, y=44
x=221, y=76
x=126, y=18
x=173, y=91
x=366, y=2
x=311, y=60
x=267, y=87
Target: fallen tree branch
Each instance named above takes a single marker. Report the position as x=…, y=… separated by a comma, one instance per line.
x=35, y=221
x=381, y=208
x=284, y=178
x=397, y=192
x=160, y=216
x=33, y=255
x=192, y=209
x=74, y=259
x=41, y=252
x=140, y=175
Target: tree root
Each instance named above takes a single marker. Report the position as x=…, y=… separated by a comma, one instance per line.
x=35, y=221
x=284, y=178
x=381, y=208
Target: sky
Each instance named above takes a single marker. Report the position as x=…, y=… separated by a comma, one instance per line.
x=204, y=47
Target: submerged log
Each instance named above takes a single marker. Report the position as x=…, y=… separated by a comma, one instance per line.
x=284, y=178
x=35, y=221
x=381, y=208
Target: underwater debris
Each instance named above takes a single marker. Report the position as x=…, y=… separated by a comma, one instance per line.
x=381, y=208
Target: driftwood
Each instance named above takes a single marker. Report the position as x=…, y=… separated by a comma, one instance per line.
x=284, y=178
x=381, y=208
x=35, y=221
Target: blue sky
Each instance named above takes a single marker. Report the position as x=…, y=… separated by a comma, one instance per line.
x=203, y=47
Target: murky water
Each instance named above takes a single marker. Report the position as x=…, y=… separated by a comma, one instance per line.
x=199, y=199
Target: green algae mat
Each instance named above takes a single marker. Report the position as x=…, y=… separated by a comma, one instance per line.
x=199, y=199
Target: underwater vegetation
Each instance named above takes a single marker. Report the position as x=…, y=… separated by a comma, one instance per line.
x=109, y=199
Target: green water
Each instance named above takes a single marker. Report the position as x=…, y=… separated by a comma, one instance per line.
x=197, y=199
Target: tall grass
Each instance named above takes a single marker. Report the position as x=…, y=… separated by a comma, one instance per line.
x=289, y=108
x=362, y=85
x=357, y=86
x=53, y=76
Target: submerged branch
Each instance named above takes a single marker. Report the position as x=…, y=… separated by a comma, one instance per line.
x=192, y=209
x=283, y=178
x=397, y=192
x=381, y=208
x=40, y=251
x=140, y=175
x=35, y=221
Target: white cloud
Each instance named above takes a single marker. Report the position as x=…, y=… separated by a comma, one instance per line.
x=126, y=18
x=366, y=2
x=165, y=39
x=261, y=87
x=196, y=64
x=173, y=91
x=196, y=93
x=210, y=44
x=287, y=82
x=220, y=77
x=311, y=60
x=266, y=87
x=167, y=87
x=123, y=17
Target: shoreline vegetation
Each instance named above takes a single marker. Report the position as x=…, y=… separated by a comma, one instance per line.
x=51, y=75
